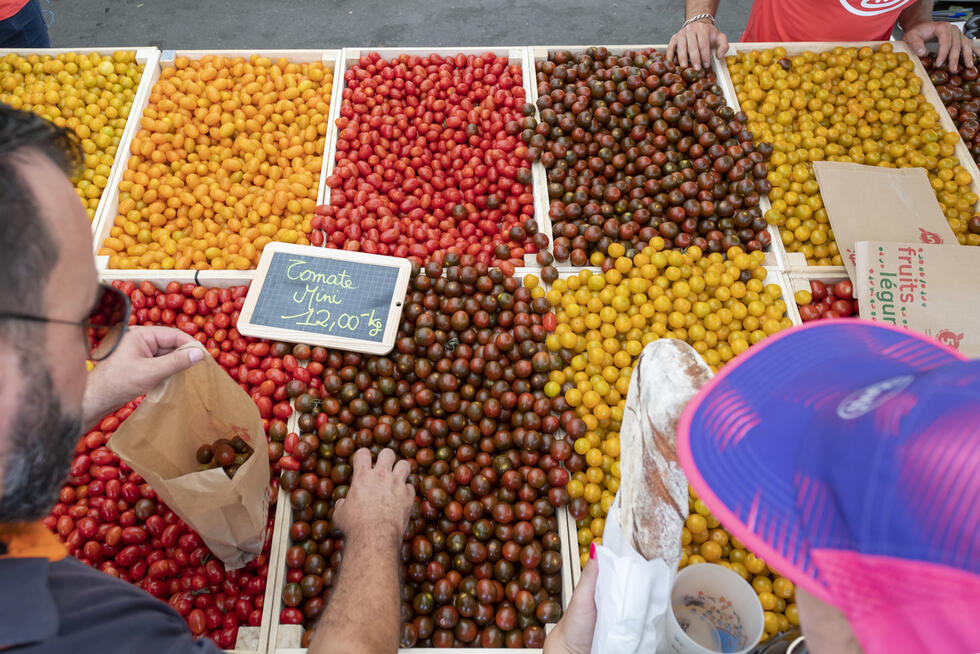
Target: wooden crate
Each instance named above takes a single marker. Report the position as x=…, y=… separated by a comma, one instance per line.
x=286, y=639
x=775, y=252
x=110, y=204
x=774, y=276
x=251, y=640
x=349, y=59
x=795, y=261
x=147, y=56
x=800, y=281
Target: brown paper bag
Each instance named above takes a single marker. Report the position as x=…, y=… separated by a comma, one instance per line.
x=870, y=203
x=160, y=441
x=930, y=289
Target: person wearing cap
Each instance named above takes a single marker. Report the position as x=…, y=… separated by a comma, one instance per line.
x=845, y=454
x=786, y=21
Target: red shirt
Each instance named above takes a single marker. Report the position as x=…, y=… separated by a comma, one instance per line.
x=823, y=20
x=10, y=7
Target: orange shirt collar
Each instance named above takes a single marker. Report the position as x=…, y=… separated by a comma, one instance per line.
x=30, y=540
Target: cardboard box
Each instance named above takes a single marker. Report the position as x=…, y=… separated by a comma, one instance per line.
x=926, y=288
x=872, y=203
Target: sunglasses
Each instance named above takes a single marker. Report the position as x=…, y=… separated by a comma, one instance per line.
x=104, y=327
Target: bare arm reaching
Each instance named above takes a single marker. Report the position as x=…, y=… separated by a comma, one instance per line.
x=918, y=27
x=694, y=42
x=362, y=616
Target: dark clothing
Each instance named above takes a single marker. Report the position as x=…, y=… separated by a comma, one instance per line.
x=66, y=606
x=25, y=29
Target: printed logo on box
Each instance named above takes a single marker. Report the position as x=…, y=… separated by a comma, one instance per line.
x=930, y=237
x=896, y=285
x=946, y=337
x=872, y=7
x=242, y=433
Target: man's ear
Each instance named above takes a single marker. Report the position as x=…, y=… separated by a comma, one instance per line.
x=825, y=626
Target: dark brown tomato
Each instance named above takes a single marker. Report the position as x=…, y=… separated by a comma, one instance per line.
x=506, y=618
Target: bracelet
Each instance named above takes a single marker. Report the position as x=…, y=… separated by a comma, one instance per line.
x=697, y=18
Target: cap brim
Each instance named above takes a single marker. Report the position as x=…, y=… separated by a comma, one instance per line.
x=740, y=438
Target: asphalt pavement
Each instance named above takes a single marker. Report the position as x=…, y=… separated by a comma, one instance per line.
x=254, y=24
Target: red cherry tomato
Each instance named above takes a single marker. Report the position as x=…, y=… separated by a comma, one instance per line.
x=291, y=616
x=282, y=410
x=843, y=307
x=197, y=621
x=265, y=406
x=844, y=290
x=818, y=290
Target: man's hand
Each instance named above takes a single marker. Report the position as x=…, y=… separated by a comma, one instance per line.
x=362, y=615
x=379, y=501
x=953, y=44
x=573, y=633
x=693, y=44
x=144, y=358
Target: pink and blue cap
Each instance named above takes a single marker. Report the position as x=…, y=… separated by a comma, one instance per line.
x=847, y=455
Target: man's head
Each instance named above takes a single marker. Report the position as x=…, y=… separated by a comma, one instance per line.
x=48, y=271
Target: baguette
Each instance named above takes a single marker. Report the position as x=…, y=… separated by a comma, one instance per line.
x=652, y=501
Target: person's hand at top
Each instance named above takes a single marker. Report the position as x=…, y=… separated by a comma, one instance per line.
x=918, y=28
x=954, y=45
x=144, y=357
x=695, y=41
x=573, y=633
x=379, y=502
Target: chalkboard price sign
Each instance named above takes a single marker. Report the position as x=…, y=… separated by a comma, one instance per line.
x=335, y=298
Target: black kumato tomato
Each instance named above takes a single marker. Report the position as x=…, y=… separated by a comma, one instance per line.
x=461, y=397
x=637, y=147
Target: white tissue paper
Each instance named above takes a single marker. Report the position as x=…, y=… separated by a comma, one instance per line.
x=632, y=595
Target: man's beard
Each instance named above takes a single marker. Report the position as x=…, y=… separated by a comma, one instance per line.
x=43, y=439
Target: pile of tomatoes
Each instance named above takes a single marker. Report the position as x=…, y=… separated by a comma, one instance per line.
x=109, y=518
x=425, y=164
x=462, y=398
x=825, y=301
x=637, y=147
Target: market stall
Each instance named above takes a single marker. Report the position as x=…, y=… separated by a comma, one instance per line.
x=562, y=208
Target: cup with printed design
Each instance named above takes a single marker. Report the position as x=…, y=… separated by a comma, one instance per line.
x=712, y=611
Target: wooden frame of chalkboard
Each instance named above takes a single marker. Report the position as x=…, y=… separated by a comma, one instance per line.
x=300, y=292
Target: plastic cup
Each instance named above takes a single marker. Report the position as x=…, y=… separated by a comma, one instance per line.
x=712, y=610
